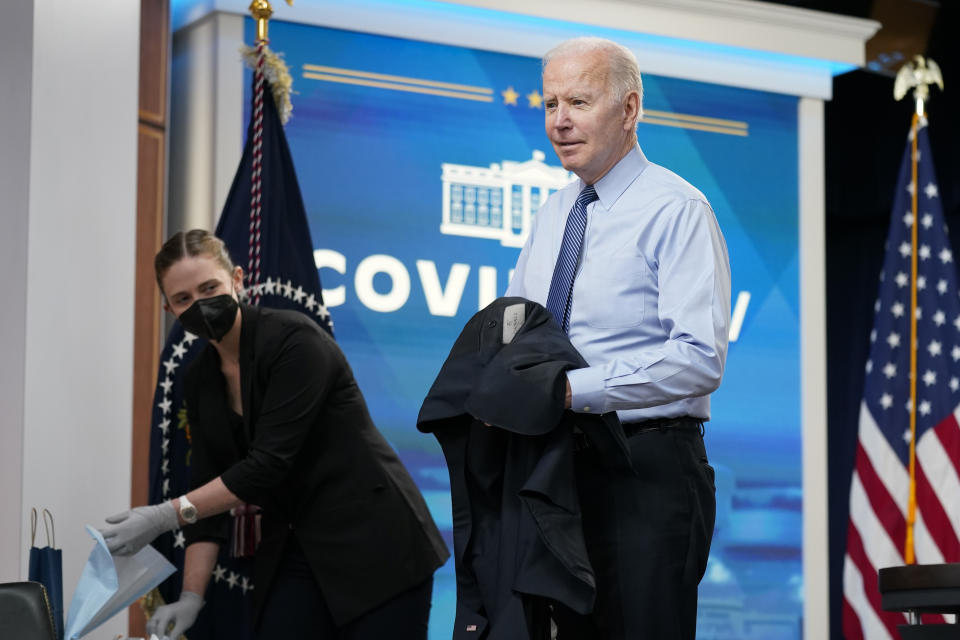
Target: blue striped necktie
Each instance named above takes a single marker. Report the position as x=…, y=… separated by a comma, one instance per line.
x=561, y=286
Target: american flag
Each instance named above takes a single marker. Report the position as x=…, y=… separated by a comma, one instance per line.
x=880, y=490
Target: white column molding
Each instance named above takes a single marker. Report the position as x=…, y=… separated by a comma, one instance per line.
x=813, y=368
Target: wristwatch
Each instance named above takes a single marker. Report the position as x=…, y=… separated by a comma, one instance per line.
x=187, y=511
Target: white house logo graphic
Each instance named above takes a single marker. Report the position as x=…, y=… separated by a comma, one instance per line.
x=499, y=201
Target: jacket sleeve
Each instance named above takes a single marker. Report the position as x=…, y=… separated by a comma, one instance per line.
x=298, y=378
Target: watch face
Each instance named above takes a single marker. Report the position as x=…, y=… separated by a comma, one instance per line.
x=189, y=513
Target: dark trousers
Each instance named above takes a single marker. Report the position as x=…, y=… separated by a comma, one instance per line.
x=648, y=538
x=296, y=609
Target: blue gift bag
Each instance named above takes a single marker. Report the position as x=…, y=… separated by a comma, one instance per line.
x=46, y=567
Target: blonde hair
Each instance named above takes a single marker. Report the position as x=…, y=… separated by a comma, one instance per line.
x=623, y=71
x=196, y=242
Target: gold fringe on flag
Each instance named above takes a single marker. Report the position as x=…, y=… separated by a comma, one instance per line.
x=277, y=73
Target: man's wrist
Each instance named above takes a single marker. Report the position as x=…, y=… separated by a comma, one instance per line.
x=586, y=390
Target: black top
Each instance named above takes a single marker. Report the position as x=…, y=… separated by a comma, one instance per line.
x=307, y=452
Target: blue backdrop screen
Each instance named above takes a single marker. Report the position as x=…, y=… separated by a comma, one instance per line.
x=421, y=164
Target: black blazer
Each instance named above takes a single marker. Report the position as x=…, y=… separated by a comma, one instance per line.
x=518, y=539
x=309, y=454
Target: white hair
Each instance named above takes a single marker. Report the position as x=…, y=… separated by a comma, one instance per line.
x=624, y=72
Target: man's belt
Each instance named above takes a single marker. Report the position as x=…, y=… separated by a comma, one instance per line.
x=630, y=429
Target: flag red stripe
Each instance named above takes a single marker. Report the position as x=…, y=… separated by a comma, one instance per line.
x=867, y=571
x=936, y=519
x=949, y=434
x=851, y=623
x=883, y=505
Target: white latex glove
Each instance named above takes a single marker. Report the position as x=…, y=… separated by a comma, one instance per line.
x=180, y=614
x=132, y=530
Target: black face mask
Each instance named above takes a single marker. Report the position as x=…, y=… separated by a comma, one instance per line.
x=210, y=318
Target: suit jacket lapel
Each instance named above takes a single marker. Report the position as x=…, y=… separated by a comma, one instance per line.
x=248, y=329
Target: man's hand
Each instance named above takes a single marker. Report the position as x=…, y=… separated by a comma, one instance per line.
x=132, y=530
x=181, y=614
x=568, y=401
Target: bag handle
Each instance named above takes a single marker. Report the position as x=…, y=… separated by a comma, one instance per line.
x=47, y=525
x=51, y=532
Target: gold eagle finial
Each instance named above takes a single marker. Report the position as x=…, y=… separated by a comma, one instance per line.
x=918, y=74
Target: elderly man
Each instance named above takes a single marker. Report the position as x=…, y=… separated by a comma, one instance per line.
x=631, y=262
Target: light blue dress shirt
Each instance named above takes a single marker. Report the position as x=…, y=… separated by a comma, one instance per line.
x=651, y=300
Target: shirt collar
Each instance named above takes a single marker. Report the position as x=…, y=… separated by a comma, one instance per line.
x=611, y=186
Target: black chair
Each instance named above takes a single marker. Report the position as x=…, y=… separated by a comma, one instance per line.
x=922, y=588
x=25, y=612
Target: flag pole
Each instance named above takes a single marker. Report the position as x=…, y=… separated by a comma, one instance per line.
x=919, y=74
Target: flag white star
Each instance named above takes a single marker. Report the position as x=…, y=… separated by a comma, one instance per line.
x=893, y=339
x=310, y=303
x=164, y=425
x=921, y=282
x=954, y=384
x=869, y=366
x=939, y=318
x=931, y=190
x=919, y=313
x=232, y=579
x=179, y=540
x=946, y=256
x=910, y=188
x=886, y=401
x=924, y=252
x=925, y=407
x=245, y=585
x=166, y=486
x=902, y=279
x=905, y=249
x=218, y=573
x=167, y=384
x=896, y=309
x=873, y=334
x=926, y=221
x=269, y=287
x=941, y=286
x=929, y=378
x=955, y=353
x=164, y=444
x=934, y=348
x=179, y=351
x=890, y=370
x=165, y=467
x=908, y=405
x=164, y=406
x=956, y=323
x=170, y=365
x=287, y=289
x=299, y=294
x=906, y=436
x=188, y=337
x=908, y=218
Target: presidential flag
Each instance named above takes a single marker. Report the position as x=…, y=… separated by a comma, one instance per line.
x=265, y=228
x=905, y=492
